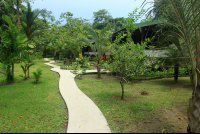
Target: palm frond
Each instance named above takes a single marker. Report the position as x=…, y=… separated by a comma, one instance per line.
x=93, y=33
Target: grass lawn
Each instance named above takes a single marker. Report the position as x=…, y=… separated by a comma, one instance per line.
x=61, y=64
x=163, y=109
x=32, y=108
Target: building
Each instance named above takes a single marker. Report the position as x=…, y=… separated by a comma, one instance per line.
x=143, y=31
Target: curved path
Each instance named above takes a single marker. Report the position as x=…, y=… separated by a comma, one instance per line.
x=83, y=115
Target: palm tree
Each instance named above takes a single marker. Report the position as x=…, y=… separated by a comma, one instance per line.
x=29, y=26
x=184, y=18
x=59, y=46
x=11, y=46
x=175, y=59
x=99, y=46
x=25, y=67
x=18, y=19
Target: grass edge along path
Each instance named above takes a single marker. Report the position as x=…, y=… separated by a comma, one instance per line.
x=33, y=108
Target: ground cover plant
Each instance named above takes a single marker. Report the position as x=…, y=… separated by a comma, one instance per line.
x=157, y=105
x=26, y=107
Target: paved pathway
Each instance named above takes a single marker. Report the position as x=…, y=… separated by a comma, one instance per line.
x=83, y=115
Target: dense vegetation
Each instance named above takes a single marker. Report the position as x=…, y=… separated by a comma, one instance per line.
x=25, y=37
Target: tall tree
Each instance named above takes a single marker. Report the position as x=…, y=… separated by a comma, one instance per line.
x=11, y=46
x=101, y=41
x=101, y=18
x=29, y=26
x=183, y=17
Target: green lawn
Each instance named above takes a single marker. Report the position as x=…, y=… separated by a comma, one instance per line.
x=32, y=108
x=156, y=112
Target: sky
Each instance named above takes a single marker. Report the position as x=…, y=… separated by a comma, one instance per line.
x=85, y=8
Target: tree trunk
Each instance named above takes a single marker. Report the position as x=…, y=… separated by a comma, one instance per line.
x=28, y=70
x=194, y=103
x=98, y=69
x=9, y=76
x=59, y=56
x=176, y=69
x=28, y=64
x=18, y=27
x=13, y=64
x=122, y=85
x=18, y=19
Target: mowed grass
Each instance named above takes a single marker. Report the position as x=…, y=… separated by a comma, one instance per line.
x=32, y=108
x=162, y=110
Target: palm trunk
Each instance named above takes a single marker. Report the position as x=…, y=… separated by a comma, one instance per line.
x=98, y=69
x=59, y=56
x=9, y=75
x=28, y=70
x=28, y=64
x=13, y=64
x=18, y=19
x=176, y=68
x=25, y=75
x=193, y=110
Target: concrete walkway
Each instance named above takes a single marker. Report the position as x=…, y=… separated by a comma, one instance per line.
x=83, y=115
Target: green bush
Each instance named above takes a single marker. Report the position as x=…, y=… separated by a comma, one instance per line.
x=38, y=55
x=37, y=74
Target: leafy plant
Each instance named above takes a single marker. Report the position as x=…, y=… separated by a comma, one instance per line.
x=74, y=65
x=10, y=47
x=102, y=40
x=25, y=68
x=37, y=74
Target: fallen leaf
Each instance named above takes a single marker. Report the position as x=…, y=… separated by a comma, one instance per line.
x=163, y=130
x=20, y=116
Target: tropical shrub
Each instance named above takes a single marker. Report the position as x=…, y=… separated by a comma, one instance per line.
x=25, y=66
x=37, y=74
